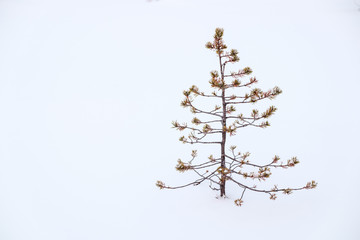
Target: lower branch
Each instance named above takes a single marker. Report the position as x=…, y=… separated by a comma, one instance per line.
x=238, y=202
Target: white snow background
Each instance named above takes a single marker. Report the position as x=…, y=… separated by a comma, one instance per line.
x=88, y=90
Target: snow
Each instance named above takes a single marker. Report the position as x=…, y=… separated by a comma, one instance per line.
x=88, y=90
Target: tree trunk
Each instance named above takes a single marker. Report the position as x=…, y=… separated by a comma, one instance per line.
x=223, y=140
x=223, y=136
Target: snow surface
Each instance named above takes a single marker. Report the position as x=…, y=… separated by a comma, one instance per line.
x=88, y=90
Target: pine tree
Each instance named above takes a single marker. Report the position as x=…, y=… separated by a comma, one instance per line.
x=223, y=121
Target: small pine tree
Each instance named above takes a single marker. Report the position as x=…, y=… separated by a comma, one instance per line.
x=224, y=121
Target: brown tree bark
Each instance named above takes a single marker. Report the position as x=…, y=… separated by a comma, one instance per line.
x=223, y=134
